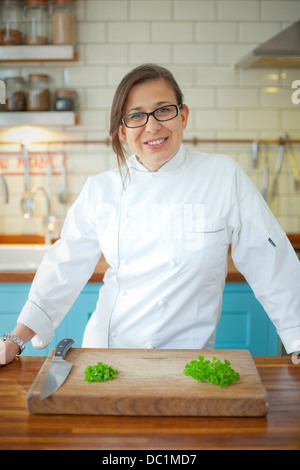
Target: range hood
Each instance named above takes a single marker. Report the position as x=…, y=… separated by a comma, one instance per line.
x=282, y=50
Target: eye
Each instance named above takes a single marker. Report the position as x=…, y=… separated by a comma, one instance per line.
x=135, y=116
x=163, y=110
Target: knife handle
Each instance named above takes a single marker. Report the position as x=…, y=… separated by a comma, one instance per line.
x=63, y=347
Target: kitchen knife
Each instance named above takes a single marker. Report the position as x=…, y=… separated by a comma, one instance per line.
x=59, y=369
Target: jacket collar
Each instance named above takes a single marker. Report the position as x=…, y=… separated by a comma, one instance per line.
x=175, y=163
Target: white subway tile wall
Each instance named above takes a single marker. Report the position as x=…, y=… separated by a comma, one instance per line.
x=199, y=41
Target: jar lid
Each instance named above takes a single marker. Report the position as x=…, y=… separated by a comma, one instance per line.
x=13, y=2
x=37, y=1
x=38, y=77
x=65, y=92
x=19, y=79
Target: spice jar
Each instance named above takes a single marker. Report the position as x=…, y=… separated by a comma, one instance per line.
x=65, y=100
x=38, y=96
x=15, y=94
x=36, y=16
x=63, y=22
x=11, y=33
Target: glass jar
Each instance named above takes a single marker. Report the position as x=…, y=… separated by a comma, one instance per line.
x=15, y=94
x=65, y=100
x=38, y=95
x=11, y=23
x=36, y=17
x=63, y=22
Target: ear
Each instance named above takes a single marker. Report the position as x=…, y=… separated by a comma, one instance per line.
x=122, y=133
x=184, y=112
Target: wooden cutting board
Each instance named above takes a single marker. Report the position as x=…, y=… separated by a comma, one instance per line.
x=151, y=383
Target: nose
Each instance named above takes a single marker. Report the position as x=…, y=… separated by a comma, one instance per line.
x=152, y=125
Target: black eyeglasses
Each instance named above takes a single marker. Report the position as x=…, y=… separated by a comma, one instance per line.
x=140, y=119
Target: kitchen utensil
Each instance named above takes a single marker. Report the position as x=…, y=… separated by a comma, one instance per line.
x=150, y=382
x=5, y=189
x=281, y=152
x=265, y=173
x=2, y=92
x=27, y=204
x=293, y=162
x=64, y=196
x=59, y=369
x=255, y=147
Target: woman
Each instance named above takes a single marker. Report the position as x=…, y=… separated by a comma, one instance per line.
x=164, y=223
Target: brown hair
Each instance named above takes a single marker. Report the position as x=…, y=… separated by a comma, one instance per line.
x=141, y=74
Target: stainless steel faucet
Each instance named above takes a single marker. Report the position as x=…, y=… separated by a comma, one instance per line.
x=49, y=220
x=27, y=202
x=5, y=189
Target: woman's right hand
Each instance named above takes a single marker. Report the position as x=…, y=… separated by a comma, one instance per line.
x=8, y=352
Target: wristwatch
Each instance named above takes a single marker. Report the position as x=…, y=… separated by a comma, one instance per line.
x=14, y=339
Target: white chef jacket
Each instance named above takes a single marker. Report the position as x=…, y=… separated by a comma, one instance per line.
x=165, y=236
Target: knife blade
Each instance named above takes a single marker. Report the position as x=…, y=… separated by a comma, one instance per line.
x=59, y=369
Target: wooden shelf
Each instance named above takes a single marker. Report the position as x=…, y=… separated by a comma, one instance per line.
x=44, y=119
x=47, y=53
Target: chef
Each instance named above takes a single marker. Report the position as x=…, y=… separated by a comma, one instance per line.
x=164, y=221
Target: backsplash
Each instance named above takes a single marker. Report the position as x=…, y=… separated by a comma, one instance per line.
x=199, y=41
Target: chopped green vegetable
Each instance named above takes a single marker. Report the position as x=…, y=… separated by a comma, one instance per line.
x=100, y=373
x=213, y=371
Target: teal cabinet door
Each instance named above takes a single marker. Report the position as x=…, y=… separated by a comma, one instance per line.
x=14, y=296
x=80, y=313
x=244, y=323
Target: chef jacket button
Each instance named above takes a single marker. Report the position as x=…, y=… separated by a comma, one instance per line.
x=184, y=166
x=173, y=263
x=123, y=292
x=162, y=302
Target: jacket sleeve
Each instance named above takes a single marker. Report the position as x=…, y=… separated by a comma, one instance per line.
x=64, y=271
x=262, y=252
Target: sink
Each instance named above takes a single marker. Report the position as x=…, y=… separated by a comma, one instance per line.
x=25, y=257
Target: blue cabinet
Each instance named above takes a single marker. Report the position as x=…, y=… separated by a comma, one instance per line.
x=243, y=325
x=14, y=296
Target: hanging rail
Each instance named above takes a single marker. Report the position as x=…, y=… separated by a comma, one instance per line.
x=194, y=141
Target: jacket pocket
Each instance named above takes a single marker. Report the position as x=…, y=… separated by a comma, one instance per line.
x=206, y=249
x=204, y=233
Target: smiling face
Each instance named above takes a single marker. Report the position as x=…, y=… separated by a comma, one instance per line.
x=156, y=142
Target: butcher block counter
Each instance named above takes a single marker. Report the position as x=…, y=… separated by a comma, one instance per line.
x=27, y=276
x=279, y=429
x=233, y=274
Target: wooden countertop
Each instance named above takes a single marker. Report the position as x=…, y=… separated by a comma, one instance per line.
x=279, y=430
x=27, y=276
